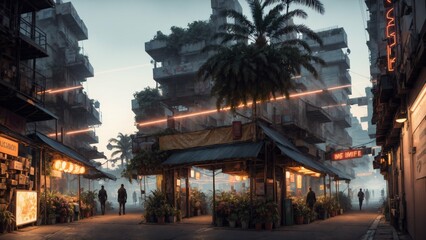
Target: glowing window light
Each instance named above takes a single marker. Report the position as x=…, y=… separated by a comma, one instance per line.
x=237, y=178
x=82, y=170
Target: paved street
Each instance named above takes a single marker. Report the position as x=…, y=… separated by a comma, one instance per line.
x=352, y=225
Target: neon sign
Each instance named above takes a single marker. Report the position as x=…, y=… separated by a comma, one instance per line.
x=390, y=36
x=348, y=154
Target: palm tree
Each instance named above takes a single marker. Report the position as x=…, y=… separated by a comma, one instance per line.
x=314, y=4
x=256, y=59
x=122, y=146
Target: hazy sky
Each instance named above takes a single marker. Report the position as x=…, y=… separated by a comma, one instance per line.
x=118, y=31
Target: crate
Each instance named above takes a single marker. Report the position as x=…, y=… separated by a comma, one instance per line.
x=12, y=182
x=32, y=171
x=15, y=165
x=22, y=179
x=3, y=185
x=3, y=168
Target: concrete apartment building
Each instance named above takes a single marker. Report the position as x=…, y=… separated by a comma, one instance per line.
x=69, y=67
x=315, y=123
x=397, y=31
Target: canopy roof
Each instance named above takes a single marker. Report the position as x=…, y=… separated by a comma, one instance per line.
x=215, y=153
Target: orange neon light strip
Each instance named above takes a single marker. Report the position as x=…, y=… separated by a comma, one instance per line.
x=142, y=124
x=51, y=91
x=71, y=132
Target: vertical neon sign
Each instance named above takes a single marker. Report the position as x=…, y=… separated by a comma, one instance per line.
x=390, y=36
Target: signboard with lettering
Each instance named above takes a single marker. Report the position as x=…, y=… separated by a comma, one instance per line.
x=349, y=154
x=9, y=147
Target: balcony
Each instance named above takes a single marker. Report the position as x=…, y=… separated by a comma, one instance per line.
x=157, y=49
x=72, y=19
x=344, y=121
x=332, y=39
x=79, y=64
x=336, y=57
x=192, y=48
x=33, y=44
x=317, y=114
x=176, y=70
x=24, y=96
x=88, y=137
x=35, y=5
x=85, y=106
x=91, y=152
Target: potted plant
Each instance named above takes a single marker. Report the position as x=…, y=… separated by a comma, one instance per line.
x=7, y=220
x=271, y=214
x=160, y=213
x=244, y=215
x=232, y=219
x=299, y=209
x=260, y=213
x=320, y=208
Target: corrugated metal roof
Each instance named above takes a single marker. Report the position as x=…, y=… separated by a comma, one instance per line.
x=217, y=152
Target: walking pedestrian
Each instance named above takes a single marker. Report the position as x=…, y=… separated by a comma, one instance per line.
x=135, y=198
x=360, y=198
x=311, y=199
x=367, y=196
x=122, y=199
x=102, y=196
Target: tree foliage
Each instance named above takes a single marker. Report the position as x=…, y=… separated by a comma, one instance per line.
x=122, y=147
x=256, y=59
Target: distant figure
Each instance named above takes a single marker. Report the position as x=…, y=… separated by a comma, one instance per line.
x=367, y=196
x=122, y=199
x=382, y=192
x=135, y=198
x=102, y=196
x=372, y=191
x=311, y=199
x=360, y=198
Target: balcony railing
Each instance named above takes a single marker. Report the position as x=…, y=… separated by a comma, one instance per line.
x=82, y=103
x=32, y=83
x=336, y=57
x=175, y=70
x=33, y=35
x=79, y=64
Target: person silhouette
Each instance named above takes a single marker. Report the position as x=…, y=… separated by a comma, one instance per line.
x=135, y=198
x=122, y=199
x=367, y=196
x=360, y=198
x=102, y=196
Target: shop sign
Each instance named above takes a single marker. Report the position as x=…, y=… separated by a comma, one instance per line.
x=349, y=154
x=390, y=35
x=9, y=147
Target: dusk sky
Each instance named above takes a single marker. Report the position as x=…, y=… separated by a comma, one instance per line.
x=118, y=31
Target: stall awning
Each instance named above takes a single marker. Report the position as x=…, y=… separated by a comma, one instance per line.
x=213, y=153
x=302, y=159
x=99, y=174
x=63, y=149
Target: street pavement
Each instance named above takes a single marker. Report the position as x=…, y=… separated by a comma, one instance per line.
x=367, y=224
